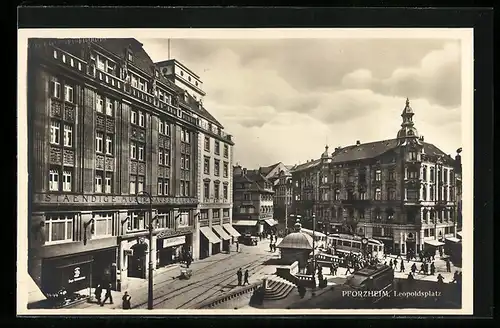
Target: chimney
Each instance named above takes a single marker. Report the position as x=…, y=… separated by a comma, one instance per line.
x=244, y=172
x=358, y=143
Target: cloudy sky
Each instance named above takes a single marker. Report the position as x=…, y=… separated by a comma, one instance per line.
x=284, y=99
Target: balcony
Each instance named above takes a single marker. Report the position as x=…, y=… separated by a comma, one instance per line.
x=108, y=79
x=66, y=59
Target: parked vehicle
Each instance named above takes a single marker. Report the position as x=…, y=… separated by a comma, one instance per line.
x=248, y=239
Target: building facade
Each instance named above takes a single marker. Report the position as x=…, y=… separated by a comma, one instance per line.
x=252, y=202
x=400, y=191
x=279, y=175
x=108, y=130
x=215, y=172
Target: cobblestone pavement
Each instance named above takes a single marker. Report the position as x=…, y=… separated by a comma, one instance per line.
x=211, y=277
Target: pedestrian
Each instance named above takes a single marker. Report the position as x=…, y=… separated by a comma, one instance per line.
x=426, y=268
x=448, y=265
x=410, y=277
x=455, y=277
x=126, y=301
x=395, y=263
x=413, y=268
x=237, y=246
x=440, y=252
x=239, y=274
x=390, y=263
x=108, y=295
x=246, y=278
x=433, y=268
x=270, y=247
x=402, y=266
x=98, y=293
x=348, y=271
x=440, y=279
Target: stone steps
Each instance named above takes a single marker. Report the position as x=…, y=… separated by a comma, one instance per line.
x=278, y=288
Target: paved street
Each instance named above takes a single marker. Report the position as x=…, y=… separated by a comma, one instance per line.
x=211, y=277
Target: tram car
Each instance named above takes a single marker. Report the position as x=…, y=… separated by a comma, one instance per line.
x=345, y=243
x=319, y=237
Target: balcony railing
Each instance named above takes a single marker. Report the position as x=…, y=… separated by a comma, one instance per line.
x=70, y=61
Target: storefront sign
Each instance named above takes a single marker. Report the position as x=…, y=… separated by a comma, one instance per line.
x=45, y=199
x=174, y=241
x=77, y=275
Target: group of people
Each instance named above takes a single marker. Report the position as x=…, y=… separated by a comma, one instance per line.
x=98, y=295
x=243, y=277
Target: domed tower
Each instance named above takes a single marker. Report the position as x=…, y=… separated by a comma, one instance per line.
x=411, y=149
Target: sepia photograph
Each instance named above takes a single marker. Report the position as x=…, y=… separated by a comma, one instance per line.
x=194, y=171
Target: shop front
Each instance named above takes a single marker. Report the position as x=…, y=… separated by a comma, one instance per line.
x=271, y=226
x=170, y=250
x=231, y=231
x=209, y=238
x=251, y=227
x=431, y=246
x=223, y=236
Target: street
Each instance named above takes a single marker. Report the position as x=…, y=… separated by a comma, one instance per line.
x=211, y=277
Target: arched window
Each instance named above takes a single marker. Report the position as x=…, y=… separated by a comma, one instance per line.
x=391, y=194
x=424, y=192
x=432, y=216
x=390, y=214
x=378, y=194
x=424, y=173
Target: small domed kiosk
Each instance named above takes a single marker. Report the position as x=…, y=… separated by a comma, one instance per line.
x=296, y=246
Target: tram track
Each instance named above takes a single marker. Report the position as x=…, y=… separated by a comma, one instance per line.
x=196, y=284
x=250, y=267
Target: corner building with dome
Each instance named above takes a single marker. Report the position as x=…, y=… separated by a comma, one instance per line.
x=400, y=191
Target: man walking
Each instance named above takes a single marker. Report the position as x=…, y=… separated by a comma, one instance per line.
x=108, y=295
x=237, y=246
x=448, y=265
x=239, y=274
x=246, y=278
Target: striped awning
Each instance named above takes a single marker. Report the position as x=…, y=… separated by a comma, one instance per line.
x=271, y=222
x=207, y=232
x=232, y=231
x=245, y=223
x=434, y=242
x=220, y=231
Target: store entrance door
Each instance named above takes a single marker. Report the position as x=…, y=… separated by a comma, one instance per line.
x=137, y=262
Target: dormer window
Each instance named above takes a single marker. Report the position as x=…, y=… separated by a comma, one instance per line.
x=157, y=74
x=130, y=57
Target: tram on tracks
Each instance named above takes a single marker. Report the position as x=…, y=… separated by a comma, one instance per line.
x=345, y=243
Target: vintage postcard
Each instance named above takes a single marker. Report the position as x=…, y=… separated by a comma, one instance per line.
x=275, y=171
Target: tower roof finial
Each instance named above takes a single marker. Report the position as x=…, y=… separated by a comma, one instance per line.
x=407, y=101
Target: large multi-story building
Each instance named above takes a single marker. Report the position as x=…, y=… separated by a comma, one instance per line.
x=252, y=201
x=214, y=162
x=400, y=191
x=107, y=127
x=279, y=175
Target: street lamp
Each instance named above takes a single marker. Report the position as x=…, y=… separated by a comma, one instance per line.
x=288, y=185
x=150, y=237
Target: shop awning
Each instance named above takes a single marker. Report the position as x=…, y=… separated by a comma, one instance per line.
x=232, y=231
x=453, y=239
x=221, y=232
x=246, y=223
x=271, y=222
x=207, y=232
x=34, y=292
x=434, y=242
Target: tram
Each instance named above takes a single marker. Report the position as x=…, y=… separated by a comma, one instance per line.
x=320, y=239
x=345, y=243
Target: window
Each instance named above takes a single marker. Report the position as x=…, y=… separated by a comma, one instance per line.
x=167, y=129
x=225, y=192
x=390, y=216
x=140, y=184
x=413, y=155
x=361, y=214
x=129, y=56
x=98, y=182
x=161, y=127
x=53, y=180
x=378, y=175
x=163, y=220
x=108, y=183
x=160, y=157
x=424, y=173
x=207, y=143
x=185, y=136
x=445, y=176
x=432, y=177
x=187, y=162
x=206, y=165
x=337, y=194
x=133, y=117
x=217, y=147
x=412, y=174
x=68, y=135
x=68, y=93
x=141, y=119
x=55, y=88
x=216, y=167
x=336, y=178
x=167, y=157
x=133, y=150
x=59, y=229
x=412, y=195
x=109, y=145
x=226, y=151
x=431, y=193
x=378, y=194
x=166, y=187
x=377, y=215
x=392, y=176
x=216, y=213
x=182, y=161
x=216, y=190
x=109, y=107
x=136, y=222
x=98, y=141
x=99, y=106
x=362, y=195
x=132, y=185
x=246, y=196
x=101, y=63
x=134, y=81
x=225, y=212
x=206, y=190
x=160, y=187
x=226, y=169
x=55, y=130
x=66, y=180
x=424, y=192
x=103, y=224
x=141, y=153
